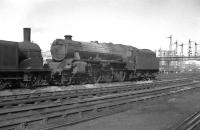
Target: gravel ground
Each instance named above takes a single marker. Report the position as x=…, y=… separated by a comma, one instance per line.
x=63, y=88
x=158, y=114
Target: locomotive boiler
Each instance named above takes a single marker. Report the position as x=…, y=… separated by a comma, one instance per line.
x=74, y=61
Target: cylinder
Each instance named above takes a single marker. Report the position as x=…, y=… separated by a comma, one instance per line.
x=27, y=34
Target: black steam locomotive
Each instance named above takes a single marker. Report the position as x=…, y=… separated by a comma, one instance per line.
x=21, y=63
x=93, y=62
x=73, y=62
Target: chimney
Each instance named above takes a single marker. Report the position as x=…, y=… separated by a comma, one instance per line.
x=27, y=34
x=68, y=37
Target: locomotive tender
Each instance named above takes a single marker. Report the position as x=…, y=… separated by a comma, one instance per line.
x=93, y=62
x=73, y=62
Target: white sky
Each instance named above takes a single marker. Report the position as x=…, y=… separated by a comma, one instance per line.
x=140, y=23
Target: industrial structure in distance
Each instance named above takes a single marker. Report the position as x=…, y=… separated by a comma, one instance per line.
x=181, y=57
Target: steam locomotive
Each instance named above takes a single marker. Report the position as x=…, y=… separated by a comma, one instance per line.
x=21, y=64
x=92, y=62
x=73, y=62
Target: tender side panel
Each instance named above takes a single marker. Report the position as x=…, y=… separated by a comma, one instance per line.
x=8, y=55
x=146, y=61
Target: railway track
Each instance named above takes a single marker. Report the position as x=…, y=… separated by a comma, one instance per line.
x=191, y=123
x=10, y=101
x=54, y=115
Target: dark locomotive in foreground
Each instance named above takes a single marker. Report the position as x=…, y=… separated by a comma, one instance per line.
x=73, y=62
x=21, y=63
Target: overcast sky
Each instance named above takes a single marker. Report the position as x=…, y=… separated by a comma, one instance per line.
x=140, y=23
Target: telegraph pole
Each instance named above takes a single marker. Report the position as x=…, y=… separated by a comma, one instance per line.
x=196, y=50
x=170, y=52
x=189, y=48
x=181, y=49
x=160, y=52
x=170, y=45
x=176, y=50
